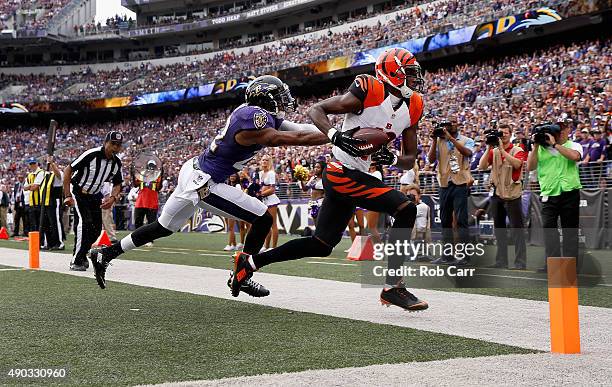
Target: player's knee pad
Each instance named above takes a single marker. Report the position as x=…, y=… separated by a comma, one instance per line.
x=149, y=233
x=405, y=217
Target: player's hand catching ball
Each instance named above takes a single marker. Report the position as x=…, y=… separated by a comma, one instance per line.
x=384, y=156
x=346, y=142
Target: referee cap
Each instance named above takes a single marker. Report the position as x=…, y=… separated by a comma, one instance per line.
x=114, y=136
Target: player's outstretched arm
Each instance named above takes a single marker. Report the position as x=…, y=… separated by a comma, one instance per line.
x=273, y=137
x=341, y=104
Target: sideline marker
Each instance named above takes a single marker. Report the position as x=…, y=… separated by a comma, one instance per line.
x=34, y=249
x=362, y=249
x=103, y=240
x=3, y=233
x=563, y=301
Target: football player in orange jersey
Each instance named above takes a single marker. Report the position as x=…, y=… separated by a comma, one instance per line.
x=391, y=101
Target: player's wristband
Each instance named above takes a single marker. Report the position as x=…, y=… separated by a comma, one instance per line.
x=331, y=133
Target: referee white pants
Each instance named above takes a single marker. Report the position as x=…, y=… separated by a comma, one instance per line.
x=196, y=189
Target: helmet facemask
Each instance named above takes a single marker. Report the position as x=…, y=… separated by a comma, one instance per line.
x=406, y=78
x=275, y=99
x=410, y=78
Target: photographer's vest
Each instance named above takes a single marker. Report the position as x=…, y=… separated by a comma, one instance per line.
x=556, y=173
x=501, y=175
x=463, y=176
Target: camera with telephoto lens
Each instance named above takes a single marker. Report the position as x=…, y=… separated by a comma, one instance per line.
x=539, y=132
x=438, y=131
x=493, y=136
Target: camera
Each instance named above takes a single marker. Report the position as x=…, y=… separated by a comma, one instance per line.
x=438, y=131
x=539, y=132
x=493, y=136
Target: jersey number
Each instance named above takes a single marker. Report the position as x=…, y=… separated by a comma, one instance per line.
x=219, y=137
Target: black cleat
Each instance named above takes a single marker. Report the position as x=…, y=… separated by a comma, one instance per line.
x=401, y=297
x=250, y=287
x=100, y=263
x=242, y=272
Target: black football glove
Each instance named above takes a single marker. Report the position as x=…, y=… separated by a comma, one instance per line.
x=384, y=156
x=346, y=142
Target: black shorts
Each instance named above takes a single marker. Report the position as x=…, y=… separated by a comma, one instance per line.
x=346, y=189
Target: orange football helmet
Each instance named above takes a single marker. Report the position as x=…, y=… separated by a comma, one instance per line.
x=399, y=68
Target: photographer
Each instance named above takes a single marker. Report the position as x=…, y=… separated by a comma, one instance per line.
x=506, y=161
x=556, y=160
x=453, y=152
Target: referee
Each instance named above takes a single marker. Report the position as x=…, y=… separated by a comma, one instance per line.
x=83, y=181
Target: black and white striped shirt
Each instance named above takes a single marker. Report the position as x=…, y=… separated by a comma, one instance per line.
x=91, y=169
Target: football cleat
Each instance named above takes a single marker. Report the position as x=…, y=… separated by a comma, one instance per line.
x=100, y=263
x=401, y=297
x=250, y=287
x=242, y=272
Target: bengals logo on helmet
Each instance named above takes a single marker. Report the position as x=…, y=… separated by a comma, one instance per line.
x=399, y=68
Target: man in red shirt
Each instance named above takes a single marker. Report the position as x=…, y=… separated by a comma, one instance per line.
x=506, y=161
x=147, y=201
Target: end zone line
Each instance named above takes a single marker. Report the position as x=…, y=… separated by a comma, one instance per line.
x=332, y=263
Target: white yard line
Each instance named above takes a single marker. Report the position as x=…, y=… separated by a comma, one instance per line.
x=507, y=370
x=332, y=263
x=510, y=321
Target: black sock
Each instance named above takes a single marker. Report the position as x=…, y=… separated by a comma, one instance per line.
x=294, y=249
x=401, y=231
x=256, y=236
x=143, y=235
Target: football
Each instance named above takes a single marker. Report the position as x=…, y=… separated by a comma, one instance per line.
x=376, y=138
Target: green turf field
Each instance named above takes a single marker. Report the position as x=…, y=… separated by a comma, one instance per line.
x=143, y=335
x=198, y=249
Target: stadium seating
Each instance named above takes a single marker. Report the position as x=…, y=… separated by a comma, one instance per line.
x=226, y=65
x=39, y=13
x=528, y=89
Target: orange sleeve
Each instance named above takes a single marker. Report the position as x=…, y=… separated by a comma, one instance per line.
x=416, y=108
x=368, y=90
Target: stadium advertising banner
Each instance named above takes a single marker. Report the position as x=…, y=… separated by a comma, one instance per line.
x=429, y=43
x=219, y=20
x=145, y=99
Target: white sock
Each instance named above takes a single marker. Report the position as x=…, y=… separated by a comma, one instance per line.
x=127, y=243
x=252, y=263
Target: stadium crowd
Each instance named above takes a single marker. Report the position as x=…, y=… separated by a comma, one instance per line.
x=569, y=81
x=415, y=22
x=31, y=14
